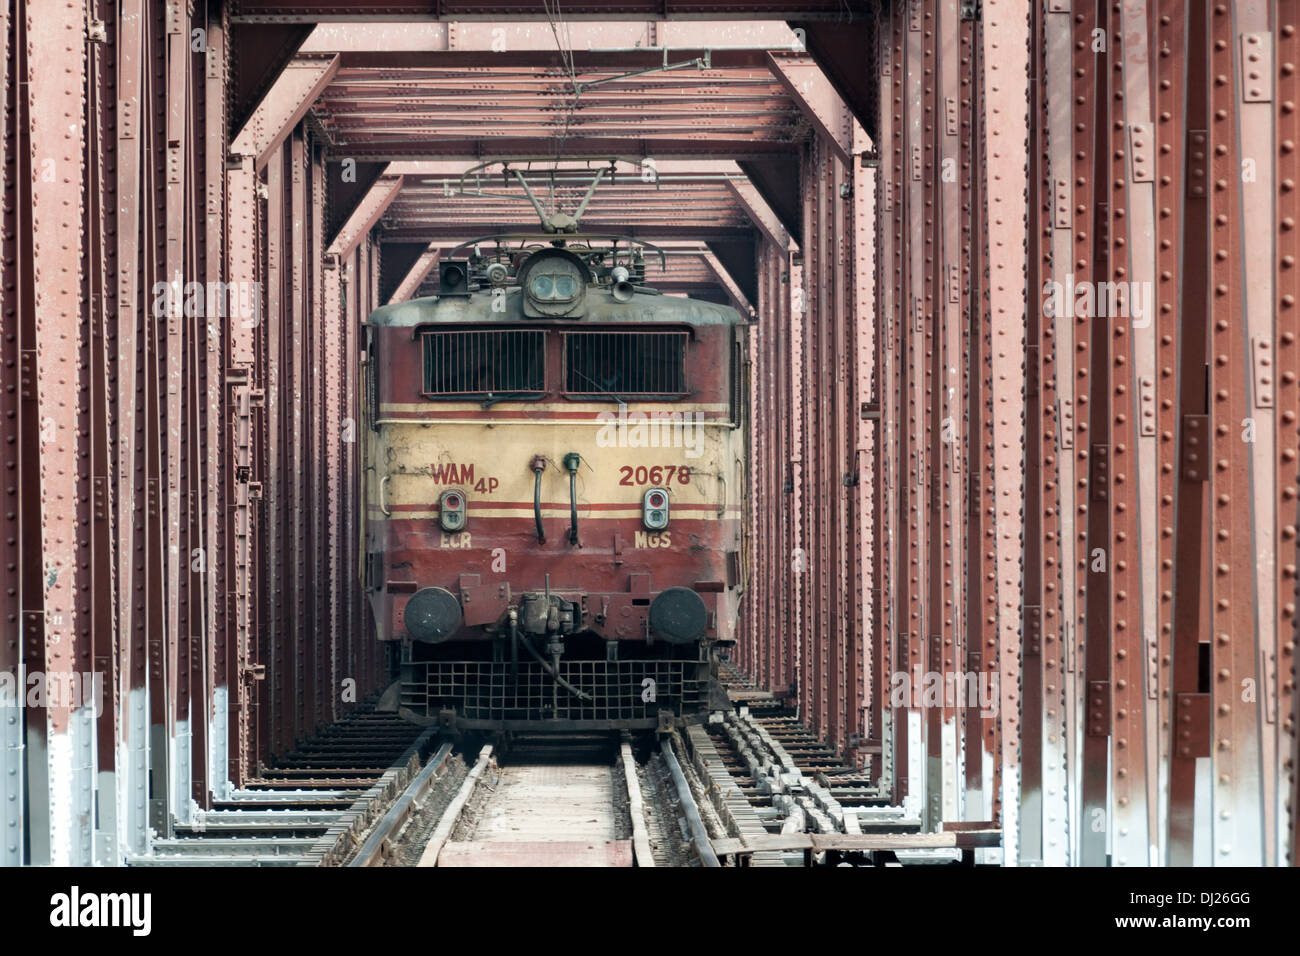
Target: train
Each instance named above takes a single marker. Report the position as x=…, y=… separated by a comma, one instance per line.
x=554, y=489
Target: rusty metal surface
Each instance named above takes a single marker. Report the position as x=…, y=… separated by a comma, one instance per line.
x=1088, y=514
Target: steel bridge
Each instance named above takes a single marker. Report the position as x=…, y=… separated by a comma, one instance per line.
x=1022, y=273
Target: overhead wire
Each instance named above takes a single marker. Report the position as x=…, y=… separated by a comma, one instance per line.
x=555, y=20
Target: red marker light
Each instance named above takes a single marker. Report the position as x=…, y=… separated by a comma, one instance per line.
x=656, y=500
x=453, y=501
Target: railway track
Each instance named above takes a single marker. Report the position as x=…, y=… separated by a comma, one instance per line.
x=751, y=787
x=561, y=801
x=310, y=807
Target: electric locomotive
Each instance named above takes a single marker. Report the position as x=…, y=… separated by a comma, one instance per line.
x=554, y=483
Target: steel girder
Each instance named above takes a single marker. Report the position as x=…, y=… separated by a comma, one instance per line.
x=313, y=11
x=1158, y=385
x=950, y=477
x=136, y=321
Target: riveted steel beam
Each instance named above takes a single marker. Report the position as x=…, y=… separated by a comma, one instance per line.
x=818, y=101
x=410, y=282
x=760, y=213
x=633, y=38
x=284, y=105
x=738, y=297
x=314, y=11
x=367, y=214
x=480, y=149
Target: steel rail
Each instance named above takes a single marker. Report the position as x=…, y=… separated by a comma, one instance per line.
x=699, y=834
x=377, y=844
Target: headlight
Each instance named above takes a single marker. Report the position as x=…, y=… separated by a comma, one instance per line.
x=553, y=288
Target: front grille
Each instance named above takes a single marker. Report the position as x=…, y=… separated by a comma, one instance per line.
x=625, y=364
x=484, y=362
x=483, y=691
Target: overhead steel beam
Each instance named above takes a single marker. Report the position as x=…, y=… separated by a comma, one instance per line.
x=348, y=183
x=817, y=100
x=395, y=266
x=505, y=36
x=777, y=180
x=737, y=294
x=264, y=50
x=737, y=255
x=284, y=106
x=367, y=213
x=839, y=48
x=465, y=231
x=757, y=209
x=317, y=11
x=548, y=58
x=410, y=283
x=480, y=149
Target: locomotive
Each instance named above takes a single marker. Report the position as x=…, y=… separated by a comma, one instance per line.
x=554, y=485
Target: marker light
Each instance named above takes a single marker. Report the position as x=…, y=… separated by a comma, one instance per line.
x=654, y=509
x=451, y=511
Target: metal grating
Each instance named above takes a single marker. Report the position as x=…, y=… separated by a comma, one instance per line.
x=484, y=362
x=481, y=690
x=625, y=364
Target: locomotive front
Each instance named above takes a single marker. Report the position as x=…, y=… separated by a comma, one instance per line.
x=554, y=471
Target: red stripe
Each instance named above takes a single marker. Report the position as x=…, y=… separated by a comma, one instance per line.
x=602, y=506
x=575, y=416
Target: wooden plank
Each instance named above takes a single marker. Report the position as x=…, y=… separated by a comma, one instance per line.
x=640, y=836
x=537, y=853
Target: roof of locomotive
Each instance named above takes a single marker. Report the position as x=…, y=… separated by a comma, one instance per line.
x=599, y=308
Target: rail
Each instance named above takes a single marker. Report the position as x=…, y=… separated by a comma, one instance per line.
x=699, y=833
x=376, y=848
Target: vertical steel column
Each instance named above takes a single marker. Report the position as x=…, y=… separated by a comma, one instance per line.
x=1127, y=811
x=1283, y=529
x=1241, y=488
x=339, y=442
x=99, y=286
x=951, y=442
x=1167, y=32
x=930, y=457
x=1143, y=719
x=1005, y=33
x=302, y=704
x=217, y=444
x=863, y=527
x=1190, y=726
x=13, y=836
x=173, y=381
x=1092, y=398
x=972, y=450
x=1031, y=623
x=275, y=597
x=241, y=485
x=1055, y=444
x=894, y=641
x=53, y=342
